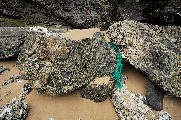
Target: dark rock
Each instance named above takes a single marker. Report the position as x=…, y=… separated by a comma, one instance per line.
x=3, y=68
x=75, y=13
x=11, y=40
x=163, y=12
x=98, y=92
x=154, y=96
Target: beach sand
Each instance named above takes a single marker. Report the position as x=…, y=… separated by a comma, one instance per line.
x=73, y=107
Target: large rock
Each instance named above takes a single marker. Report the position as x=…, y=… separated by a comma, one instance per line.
x=152, y=49
x=12, y=39
x=75, y=13
x=59, y=65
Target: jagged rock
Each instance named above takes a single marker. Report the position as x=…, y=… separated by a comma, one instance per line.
x=152, y=49
x=130, y=105
x=16, y=109
x=75, y=13
x=98, y=92
x=59, y=65
x=11, y=40
x=154, y=96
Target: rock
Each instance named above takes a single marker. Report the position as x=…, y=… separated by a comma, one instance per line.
x=130, y=105
x=11, y=40
x=154, y=96
x=74, y=13
x=153, y=49
x=163, y=12
x=99, y=89
x=64, y=65
x=16, y=109
x=3, y=68
x=131, y=10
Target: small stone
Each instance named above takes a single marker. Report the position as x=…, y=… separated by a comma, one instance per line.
x=155, y=95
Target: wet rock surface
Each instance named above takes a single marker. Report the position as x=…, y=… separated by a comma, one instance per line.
x=11, y=40
x=154, y=96
x=63, y=65
x=152, y=49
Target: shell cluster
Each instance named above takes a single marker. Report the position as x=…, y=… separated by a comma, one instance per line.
x=16, y=109
x=152, y=49
x=129, y=105
x=59, y=65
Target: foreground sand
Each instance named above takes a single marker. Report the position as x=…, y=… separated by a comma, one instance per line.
x=73, y=107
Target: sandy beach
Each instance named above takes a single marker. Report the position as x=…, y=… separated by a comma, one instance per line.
x=73, y=107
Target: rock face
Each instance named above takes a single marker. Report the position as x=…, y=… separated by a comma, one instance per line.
x=88, y=13
x=163, y=12
x=11, y=40
x=152, y=49
x=75, y=13
x=59, y=65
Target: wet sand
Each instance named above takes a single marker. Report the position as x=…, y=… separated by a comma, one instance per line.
x=73, y=107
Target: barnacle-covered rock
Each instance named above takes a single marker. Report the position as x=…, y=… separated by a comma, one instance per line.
x=130, y=105
x=59, y=65
x=16, y=109
x=11, y=40
x=152, y=49
x=98, y=91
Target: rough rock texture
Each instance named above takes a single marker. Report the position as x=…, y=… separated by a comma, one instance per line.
x=98, y=92
x=130, y=105
x=163, y=12
x=154, y=96
x=11, y=40
x=16, y=109
x=152, y=49
x=60, y=65
x=75, y=13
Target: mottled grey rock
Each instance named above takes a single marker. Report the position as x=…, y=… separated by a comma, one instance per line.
x=16, y=109
x=130, y=105
x=154, y=96
x=59, y=65
x=153, y=49
x=98, y=92
x=11, y=40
